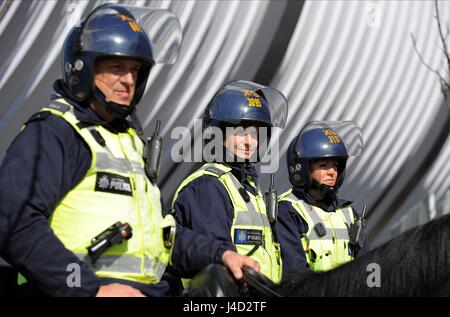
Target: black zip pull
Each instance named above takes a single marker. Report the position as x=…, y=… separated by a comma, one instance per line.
x=98, y=137
x=244, y=194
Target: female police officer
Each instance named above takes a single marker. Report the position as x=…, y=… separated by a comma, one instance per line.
x=311, y=211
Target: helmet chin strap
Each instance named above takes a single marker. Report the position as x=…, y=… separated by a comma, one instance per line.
x=116, y=110
x=325, y=189
x=232, y=160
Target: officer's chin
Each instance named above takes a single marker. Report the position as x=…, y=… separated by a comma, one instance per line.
x=120, y=102
x=329, y=184
x=245, y=154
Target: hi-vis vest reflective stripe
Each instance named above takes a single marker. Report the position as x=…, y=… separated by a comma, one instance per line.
x=115, y=188
x=325, y=252
x=247, y=216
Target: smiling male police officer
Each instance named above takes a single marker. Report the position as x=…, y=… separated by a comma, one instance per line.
x=222, y=200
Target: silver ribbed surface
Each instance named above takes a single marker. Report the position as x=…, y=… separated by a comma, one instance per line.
x=351, y=60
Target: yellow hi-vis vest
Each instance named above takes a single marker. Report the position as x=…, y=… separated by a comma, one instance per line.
x=325, y=252
x=249, y=218
x=115, y=188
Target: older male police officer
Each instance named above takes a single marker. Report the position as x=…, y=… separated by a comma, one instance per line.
x=77, y=168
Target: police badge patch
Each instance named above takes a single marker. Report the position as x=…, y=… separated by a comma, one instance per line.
x=112, y=183
x=248, y=236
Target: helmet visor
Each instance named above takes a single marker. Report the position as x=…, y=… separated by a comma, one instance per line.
x=250, y=102
x=348, y=131
x=161, y=26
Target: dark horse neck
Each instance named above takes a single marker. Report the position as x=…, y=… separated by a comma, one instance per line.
x=416, y=263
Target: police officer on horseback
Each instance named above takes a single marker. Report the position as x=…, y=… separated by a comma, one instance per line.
x=328, y=230
x=222, y=200
x=77, y=168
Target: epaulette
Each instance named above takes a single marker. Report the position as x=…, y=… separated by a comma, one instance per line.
x=58, y=106
x=41, y=115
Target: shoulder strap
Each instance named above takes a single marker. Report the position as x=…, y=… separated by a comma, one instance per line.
x=221, y=172
x=287, y=196
x=59, y=106
x=47, y=110
x=215, y=170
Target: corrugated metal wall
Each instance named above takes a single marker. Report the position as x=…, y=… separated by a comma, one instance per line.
x=333, y=60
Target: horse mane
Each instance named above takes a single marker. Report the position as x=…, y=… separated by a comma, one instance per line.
x=416, y=263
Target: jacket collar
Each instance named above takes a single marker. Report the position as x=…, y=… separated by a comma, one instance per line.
x=327, y=204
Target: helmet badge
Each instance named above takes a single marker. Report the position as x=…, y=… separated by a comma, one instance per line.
x=133, y=25
x=252, y=98
x=332, y=136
